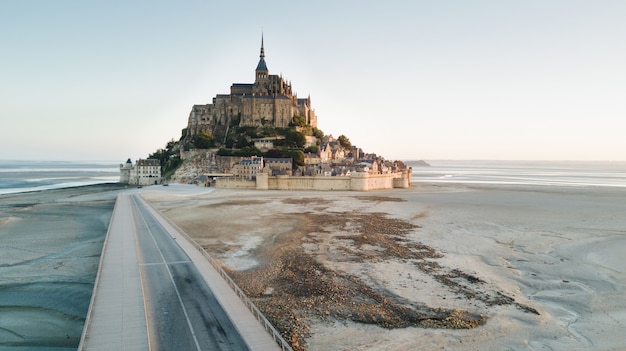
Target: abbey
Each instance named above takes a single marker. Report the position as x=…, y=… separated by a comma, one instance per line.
x=269, y=101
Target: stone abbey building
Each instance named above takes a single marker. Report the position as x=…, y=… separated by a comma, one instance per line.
x=269, y=101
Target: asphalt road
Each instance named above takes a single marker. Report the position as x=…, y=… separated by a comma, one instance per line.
x=181, y=312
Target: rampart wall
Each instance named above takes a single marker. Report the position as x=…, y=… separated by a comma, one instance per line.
x=354, y=182
x=235, y=183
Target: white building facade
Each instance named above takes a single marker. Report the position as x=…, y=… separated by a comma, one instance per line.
x=144, y=172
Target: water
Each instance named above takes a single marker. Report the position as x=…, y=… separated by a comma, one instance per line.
x=540, y=173
x=25, y=176
x=50, y=245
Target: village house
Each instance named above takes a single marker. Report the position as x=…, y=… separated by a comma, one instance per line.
x=279, y=166
x=265, y=144
x=311, y=159
x=248, y=167
x=325, y=152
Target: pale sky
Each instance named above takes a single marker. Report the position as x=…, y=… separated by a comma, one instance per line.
x=519, y=80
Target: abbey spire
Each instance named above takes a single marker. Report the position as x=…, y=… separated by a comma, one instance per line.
x=262, y=73
x=262, y=56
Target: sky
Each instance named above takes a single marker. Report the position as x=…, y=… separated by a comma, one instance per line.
x=466, y=80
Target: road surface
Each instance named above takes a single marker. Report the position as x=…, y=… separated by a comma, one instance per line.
x=181, y=311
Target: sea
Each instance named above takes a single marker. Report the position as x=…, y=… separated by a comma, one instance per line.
x=53, y=221
x=539, y=173
x=26, y=176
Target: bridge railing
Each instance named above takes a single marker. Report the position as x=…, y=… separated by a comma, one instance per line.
x=242, y=296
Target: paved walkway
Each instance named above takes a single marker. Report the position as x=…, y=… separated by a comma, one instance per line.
x=116, y=319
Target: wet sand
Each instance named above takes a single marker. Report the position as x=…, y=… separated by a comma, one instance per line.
x=50, y=245
x=432, y=267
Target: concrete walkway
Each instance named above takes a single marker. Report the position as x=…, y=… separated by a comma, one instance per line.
x=116, y=318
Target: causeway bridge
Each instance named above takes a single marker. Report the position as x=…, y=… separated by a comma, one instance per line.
x=158, y=290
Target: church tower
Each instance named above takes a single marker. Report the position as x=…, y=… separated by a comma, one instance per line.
x=262, y=73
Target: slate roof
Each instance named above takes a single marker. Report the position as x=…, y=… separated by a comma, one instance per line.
x=261, y=66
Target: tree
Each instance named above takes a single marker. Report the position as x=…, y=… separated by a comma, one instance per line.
x=312, y=149
x=295, y=139
x=170, y=145
x=298, y=121
x=203, y=140
x=242, y=142
x=167, y=158
x=298, y=158
x=170, y=166
x=230, y=141
x=224, y=152
x=344, y=142
x=273, y=153
x=318, y=133
x=250, y=151
x=161, y=155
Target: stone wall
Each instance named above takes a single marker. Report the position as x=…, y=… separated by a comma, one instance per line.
x=307, y=183
x=355, y=182
x=235, y=183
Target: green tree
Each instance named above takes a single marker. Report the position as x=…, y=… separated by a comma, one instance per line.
x=344, y=142
x=203, y=140
x=295, y=139
x=170, y=145
x=251, y=132
x=242, y=142
x=279, y=142
x=230, y=141
x=283, y=131
x=167, y=158
x=224, y=152
x=298, y=121
x=249, y=151
x=297, y=157
x=318, y=133
x=267, y=131
x=274, y=153
x=312, y=149
x=161, y=154
x=170, y=166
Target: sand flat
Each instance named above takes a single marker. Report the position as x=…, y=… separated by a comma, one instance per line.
x=554, y=250
x=50, y=242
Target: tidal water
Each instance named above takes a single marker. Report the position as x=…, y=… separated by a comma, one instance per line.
x=53, y=220
x=24, y=176
x=541, y=173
